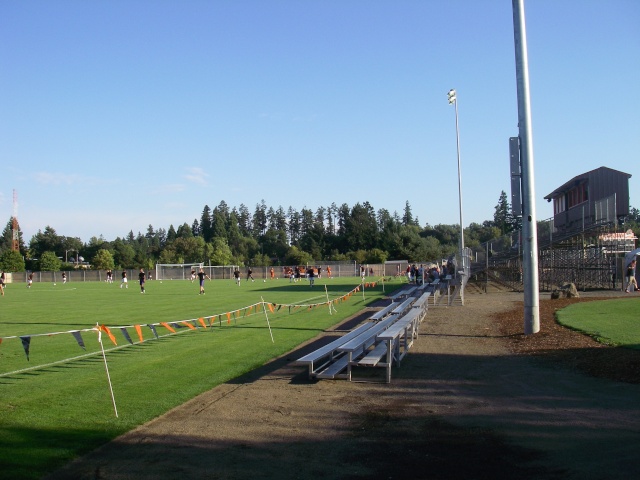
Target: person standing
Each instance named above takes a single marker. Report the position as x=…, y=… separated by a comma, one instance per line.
x=124, y=280
x=142, y=278
x=30, y=280
x=2, y=283
x=272, y=273
x=632, y=283
x=236, y=275
x=310, y=274
x=201, y=277
x=64, y=277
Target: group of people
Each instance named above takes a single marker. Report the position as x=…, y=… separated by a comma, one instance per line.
x=296, y=273
x=237, y=276
x=419, y=274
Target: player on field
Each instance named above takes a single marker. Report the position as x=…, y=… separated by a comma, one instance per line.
x=202, y=276
x=142, y=278
x=236, y=275
x=124, y=280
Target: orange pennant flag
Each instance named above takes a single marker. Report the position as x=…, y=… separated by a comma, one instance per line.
x=187, y=324
x=166, y=325
x=228, y=317
x=139, y=331
x=270, y=307
x=201, y=320
x=106, y=330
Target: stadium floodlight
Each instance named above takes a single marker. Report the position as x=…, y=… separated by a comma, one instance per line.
x=453, y=100
x=452, y=96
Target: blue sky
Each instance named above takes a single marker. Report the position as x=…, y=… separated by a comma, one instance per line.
x=119, y=114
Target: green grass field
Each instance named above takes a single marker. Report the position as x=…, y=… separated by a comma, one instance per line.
x=613, y=322
x=58, y=405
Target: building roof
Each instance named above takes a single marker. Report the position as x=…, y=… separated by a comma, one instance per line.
x=577, y=180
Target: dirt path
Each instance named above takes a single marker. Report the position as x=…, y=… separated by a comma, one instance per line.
x=460, y=406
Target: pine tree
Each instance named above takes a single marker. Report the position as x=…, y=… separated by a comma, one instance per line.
x=502, y=217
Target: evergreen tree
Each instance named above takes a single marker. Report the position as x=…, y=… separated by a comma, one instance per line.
x=502, y=217
x=294, y=226
x=361, y=232
x=171, y=235
x=306, y=221
x=332, y=212
x=407, y=218
x=260, y=219
x=184, y=231
x=244, y=220
x=195, y=228
x=206, y=224
x=47, y=241
x=343, y=216
x=223, y=209
x=280, y=220
x=220, y=226
x=234, y=235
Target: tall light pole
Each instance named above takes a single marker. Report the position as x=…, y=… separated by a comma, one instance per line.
x=453, y=100
x=529, y=228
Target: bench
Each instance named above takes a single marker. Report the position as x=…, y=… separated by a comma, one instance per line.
x=422, y=301
x=398, y=339
x=325, y=355
x=402, y=292
x=399, y=293
x=400, y=309
x=358, y=346
x=373, y=357
x=380, y=314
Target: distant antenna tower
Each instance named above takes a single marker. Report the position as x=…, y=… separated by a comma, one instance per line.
x=15, y=239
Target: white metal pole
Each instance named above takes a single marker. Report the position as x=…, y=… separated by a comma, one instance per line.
x=459, y=182
x=529, y=230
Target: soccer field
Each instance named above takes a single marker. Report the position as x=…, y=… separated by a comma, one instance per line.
x=58, y=404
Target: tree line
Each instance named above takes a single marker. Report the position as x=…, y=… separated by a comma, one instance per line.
x=267, y=236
